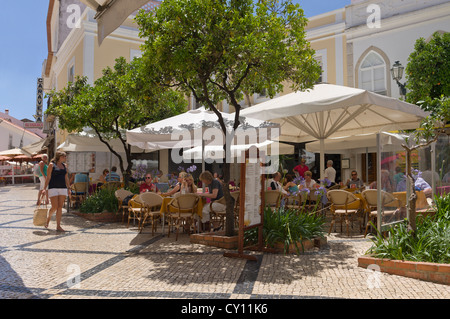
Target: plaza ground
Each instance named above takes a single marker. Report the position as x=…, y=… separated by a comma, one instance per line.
x=114, y=261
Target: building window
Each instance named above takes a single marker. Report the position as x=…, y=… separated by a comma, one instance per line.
x=135, y=54
x=372, y=73
x=71, y=71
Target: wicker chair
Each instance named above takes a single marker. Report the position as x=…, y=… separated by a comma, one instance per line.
x=181, y=210
x=78, y=193
x=340, y=201
x=387, y=200
x=152, y=204
x=120, y=195
x=135, y=210
x=273, y=198
x=218, y=216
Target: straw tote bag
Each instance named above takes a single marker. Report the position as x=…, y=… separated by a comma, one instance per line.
x=40, y=215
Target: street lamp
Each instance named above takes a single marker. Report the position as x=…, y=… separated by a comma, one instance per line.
x=397, y=74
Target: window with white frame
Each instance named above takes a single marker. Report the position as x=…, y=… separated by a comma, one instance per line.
x=71, y=71
x=372, y=73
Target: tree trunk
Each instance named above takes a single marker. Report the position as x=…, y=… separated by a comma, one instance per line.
x=229, y=221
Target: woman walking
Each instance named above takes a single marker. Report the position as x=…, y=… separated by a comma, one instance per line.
x=58, y=187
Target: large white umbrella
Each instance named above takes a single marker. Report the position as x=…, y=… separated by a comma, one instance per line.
x=193, y=128
x=330, y=110
x=89, y=142
x=15, y=152
x=217, y=152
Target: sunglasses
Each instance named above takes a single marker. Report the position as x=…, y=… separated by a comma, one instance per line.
x=147, y=177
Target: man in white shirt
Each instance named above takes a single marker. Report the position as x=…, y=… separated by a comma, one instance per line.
x=330, y=172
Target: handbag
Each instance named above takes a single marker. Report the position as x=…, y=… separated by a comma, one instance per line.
x=40, y=215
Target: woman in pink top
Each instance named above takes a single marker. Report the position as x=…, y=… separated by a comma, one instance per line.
x=301, y=168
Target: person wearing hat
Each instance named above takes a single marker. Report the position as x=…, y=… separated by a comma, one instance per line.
x=301, y=168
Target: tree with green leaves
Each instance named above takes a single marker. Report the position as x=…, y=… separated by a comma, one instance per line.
x=122, y=99
x=428, y=70
x=219, y=50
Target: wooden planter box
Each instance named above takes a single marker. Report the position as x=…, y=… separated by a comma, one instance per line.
x=105, y=217
x=438, y=273
x=216, y=239
x=307, y=245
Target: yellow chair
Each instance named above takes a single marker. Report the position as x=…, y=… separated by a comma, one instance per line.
x=152, y=203
x=120, y=195
x=341, y=203
x=135, y=210
x=181, y=210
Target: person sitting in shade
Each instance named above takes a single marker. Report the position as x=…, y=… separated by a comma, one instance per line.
x=290, y=186
x=147, y=185
x=354, y=182
x=275, y=183
x=188, y=185
x=80, y=178
x=177, y=187
x=215, y=192
x=113, y=176
x=309, y=182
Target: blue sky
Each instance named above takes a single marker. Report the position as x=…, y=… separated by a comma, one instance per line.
x=24, y=48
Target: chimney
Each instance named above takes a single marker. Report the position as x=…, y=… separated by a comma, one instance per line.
x=7, y=112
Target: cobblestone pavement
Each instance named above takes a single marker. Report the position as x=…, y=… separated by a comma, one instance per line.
x=114, y=261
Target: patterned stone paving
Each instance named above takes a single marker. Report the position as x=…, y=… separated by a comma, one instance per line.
x=113, y=261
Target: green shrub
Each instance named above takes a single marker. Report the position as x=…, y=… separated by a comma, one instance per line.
x=288, y=226
x=431, y=242
x=102, y=200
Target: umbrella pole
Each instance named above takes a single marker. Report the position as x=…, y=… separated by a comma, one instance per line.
x=322, y=159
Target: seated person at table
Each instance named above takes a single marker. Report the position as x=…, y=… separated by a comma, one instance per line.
x=419, y=184
x=386, y=182
x=147, y=185
x=290, y=186
x=215, y=192
x=177, y=187
x=275, y=183
x=101, y=179
x=80, y=178
x=355, y=182
x=188, y=185
x=113, y=176
x=309, y=182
